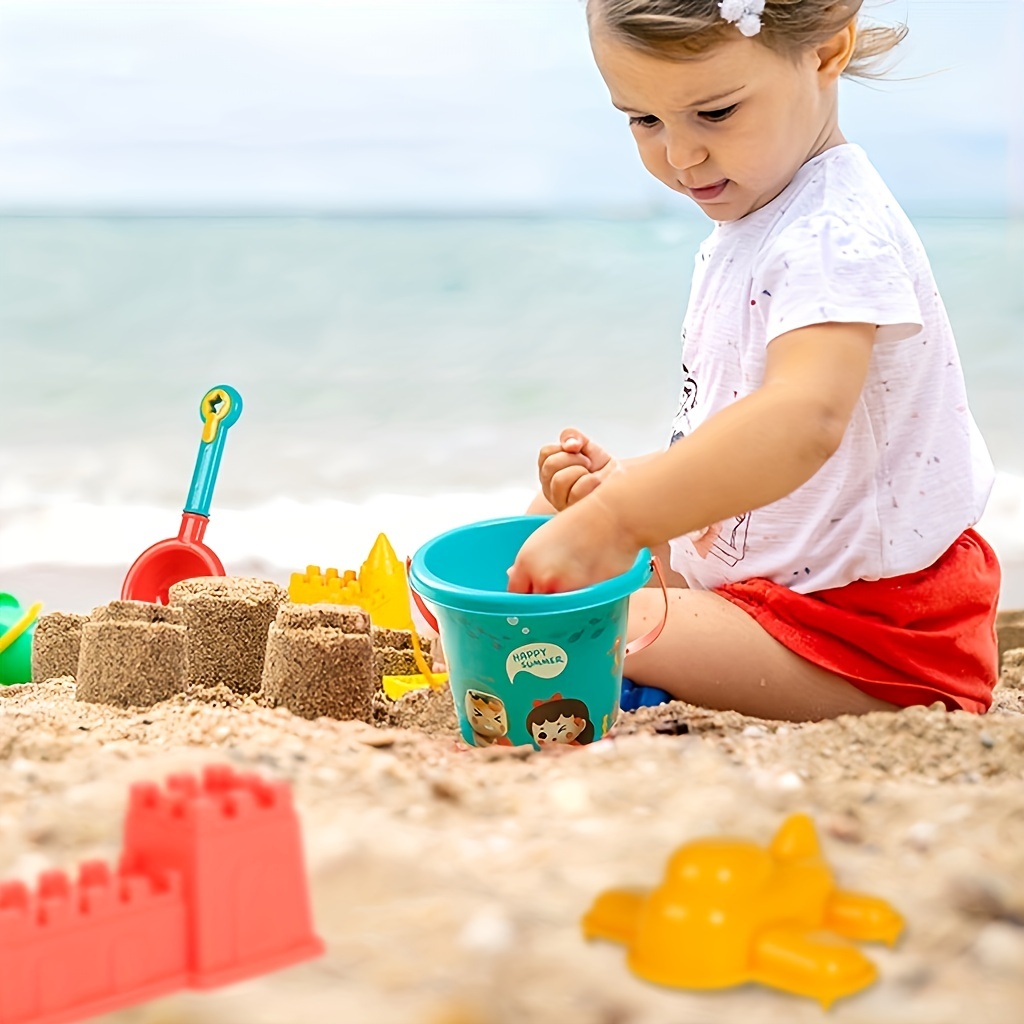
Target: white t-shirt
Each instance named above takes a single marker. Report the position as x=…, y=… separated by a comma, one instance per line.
x=912, y=472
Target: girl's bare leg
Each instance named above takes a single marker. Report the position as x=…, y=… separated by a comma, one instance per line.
x=714, y=654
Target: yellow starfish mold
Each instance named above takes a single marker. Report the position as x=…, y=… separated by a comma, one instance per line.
x=729, y=911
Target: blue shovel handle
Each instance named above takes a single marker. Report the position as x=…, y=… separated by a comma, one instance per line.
x=219, y=409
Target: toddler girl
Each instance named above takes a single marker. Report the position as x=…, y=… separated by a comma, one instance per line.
x=817, y=499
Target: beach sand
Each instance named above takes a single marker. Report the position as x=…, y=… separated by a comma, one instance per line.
x=448, y=883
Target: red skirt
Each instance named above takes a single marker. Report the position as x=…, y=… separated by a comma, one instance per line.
x=913, y=639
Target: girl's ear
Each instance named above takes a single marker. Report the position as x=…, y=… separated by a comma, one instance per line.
x=835, y=54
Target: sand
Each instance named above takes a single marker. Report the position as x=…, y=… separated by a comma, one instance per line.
x=448, y=883
x=227, y=618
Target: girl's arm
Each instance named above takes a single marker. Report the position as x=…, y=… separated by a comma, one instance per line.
x=750, y=454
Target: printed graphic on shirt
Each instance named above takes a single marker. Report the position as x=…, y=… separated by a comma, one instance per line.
x=726, y=541
x=681, y=425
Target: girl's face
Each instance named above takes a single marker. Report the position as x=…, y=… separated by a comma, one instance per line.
x=731, y=127
x=563, y=729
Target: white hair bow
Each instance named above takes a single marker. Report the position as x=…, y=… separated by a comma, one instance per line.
x=744, y=14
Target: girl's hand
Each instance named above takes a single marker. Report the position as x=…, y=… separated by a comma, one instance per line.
x=575, y=549
x=572, y=468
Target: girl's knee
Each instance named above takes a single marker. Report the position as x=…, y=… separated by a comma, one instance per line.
x=647, y=608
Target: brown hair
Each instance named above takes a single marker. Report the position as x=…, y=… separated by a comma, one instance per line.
x=557, y=706
x=687, y=28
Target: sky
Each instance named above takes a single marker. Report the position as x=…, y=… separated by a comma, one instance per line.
x=433, y=106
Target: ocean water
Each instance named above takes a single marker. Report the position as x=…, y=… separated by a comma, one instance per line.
x=397, y=374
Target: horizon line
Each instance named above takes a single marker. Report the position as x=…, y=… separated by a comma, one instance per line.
x=630, y=212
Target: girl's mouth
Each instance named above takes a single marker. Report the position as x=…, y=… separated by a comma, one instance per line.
x=710, y=192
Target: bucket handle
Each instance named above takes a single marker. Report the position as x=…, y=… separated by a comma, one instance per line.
x=631, y=648
x=649, y=637
x=427, y=614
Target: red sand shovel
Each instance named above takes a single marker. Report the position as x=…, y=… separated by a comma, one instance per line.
x=181, y=558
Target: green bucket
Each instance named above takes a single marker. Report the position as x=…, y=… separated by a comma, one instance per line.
x=17, y=628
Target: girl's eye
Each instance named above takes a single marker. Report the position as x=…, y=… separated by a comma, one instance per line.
x=717, y=115
x=647, y=121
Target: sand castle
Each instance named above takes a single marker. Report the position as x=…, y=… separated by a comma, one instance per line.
x=56, y=644
x=381, y=588
x=319, y=661
x=393, y=652
x=245, y=634
x=238, y=632
x=132, y=654
x=227, y=620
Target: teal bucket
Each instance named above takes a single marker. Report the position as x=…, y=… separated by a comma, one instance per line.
x=524, y=668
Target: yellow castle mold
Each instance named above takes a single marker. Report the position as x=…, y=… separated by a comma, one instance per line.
x=380, y=588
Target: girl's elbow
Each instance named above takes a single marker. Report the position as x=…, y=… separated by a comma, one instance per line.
x=828, y=432
x=821, y=426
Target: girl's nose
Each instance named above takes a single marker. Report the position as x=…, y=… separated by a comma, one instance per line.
x=683, y=153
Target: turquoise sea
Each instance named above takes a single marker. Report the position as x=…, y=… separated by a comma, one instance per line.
x=415, y=357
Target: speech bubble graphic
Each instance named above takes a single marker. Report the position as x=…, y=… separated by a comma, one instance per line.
x=543, y=660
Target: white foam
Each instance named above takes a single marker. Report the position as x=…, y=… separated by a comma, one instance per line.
x=282, y=533
x=289, y=534
x=1002, y=525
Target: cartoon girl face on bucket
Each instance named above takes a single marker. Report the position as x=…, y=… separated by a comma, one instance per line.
x=560, y=720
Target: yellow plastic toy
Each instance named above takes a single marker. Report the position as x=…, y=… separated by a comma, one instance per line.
x=729, y=911
x=380, y=588
x=397, y=687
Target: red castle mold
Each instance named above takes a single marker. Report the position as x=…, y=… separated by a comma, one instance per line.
x=210, y=889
